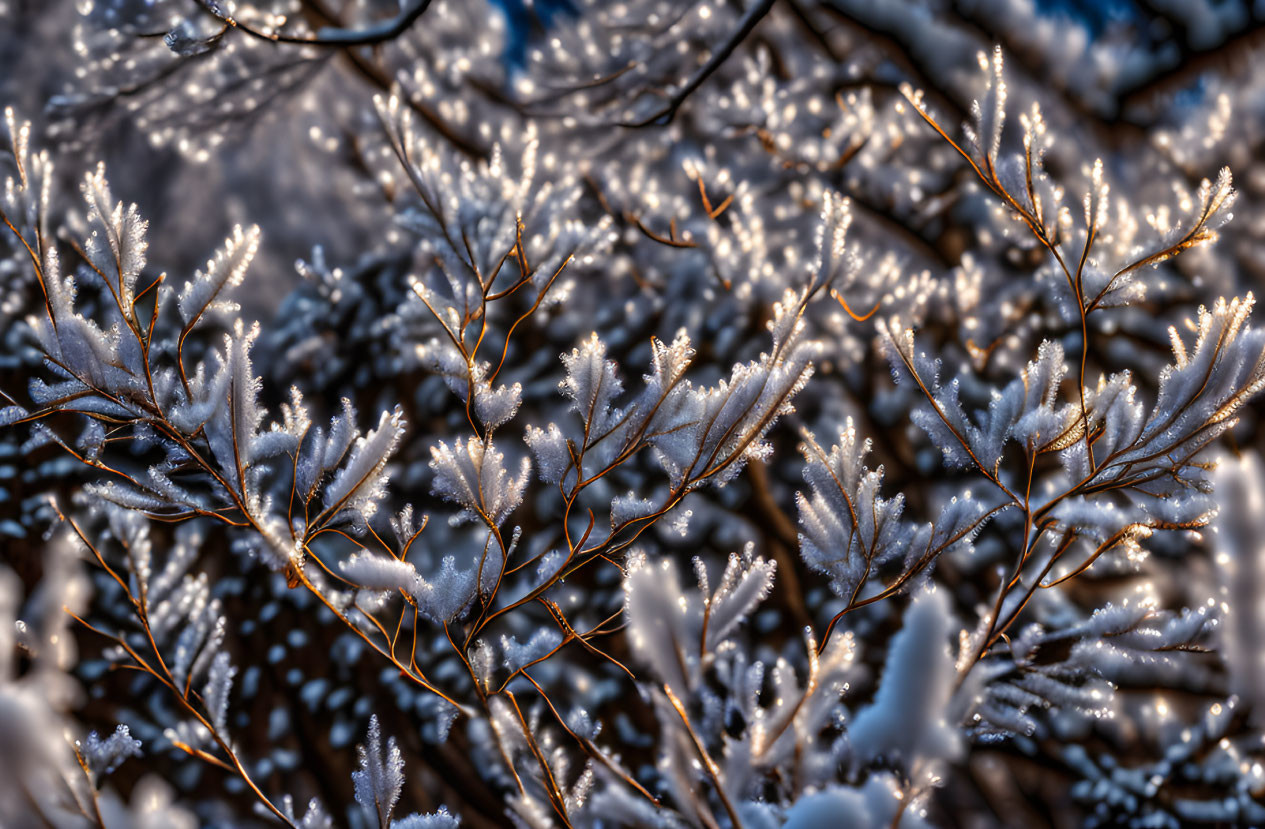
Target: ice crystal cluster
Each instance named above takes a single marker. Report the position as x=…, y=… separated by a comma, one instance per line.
x=422, y=414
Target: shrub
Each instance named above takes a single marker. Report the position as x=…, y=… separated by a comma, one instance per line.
x=903, y=519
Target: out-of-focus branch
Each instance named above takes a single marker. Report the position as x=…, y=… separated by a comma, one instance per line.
x=338, y=37
x=1191, y=63
x=668, y=111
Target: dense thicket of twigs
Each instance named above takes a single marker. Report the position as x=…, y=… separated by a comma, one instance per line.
x=717, y=414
